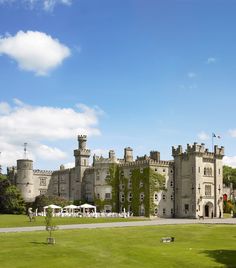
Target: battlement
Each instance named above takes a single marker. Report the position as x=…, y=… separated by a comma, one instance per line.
x=82, y=152
x=198, y=149
x=219, y=151
x=42, y=172
x=82, y=137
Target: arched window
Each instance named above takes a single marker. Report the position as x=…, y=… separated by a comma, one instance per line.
x=205, y=172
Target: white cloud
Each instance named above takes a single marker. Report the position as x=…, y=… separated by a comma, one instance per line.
x=192, y=75
x=232, y=133
x=230, y=161
x=203, y=136
x=47, y=5
x=41, y=125
x=211, y=60
x=100, y=152
x=34, y=51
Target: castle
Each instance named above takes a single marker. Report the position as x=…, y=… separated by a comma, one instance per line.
x=189, y=186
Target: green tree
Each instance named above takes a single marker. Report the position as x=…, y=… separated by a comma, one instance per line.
x=11, y=201
x=50, y=227
x=229, y=176
x=42, y=201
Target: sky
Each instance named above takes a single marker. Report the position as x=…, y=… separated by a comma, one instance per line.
x=149, y=74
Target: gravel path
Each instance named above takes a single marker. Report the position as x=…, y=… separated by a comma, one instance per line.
x=123, y=224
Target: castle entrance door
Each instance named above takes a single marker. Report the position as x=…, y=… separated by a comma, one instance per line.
x=208, y=210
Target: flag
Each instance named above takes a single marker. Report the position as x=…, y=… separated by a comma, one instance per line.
x=216, y=136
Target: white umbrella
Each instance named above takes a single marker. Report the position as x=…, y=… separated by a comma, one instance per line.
x=71, y=206
x=84, y=206
x=53, y=207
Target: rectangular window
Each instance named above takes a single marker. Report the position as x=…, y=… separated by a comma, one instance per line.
x=42, y=191
x=208, y=190
x=186, y=207
x=107, y=196
x=164, y=211
x=199, y=170
x=43, y=182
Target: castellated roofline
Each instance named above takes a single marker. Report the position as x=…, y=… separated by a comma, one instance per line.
x=82, y=137
x=198, y=149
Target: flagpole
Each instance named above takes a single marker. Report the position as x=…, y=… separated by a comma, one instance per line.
x=212, y=137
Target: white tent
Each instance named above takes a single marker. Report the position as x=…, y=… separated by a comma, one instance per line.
x=87, y=206
x=70, y=208
x=53, y=207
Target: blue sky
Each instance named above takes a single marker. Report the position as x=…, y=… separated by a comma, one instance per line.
x=149, y=74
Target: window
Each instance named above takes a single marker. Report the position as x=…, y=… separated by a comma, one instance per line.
x=97, y=177
x=62, y=180
x=164, y=197
x=42, y=191
x=208, y=190
x=43, y=182
x=122, y=186
x=155, y=169
x=172, y=211
x=172, y=197
x=186, y=208
x=171, y=171
x=156, y=211
x=85, y=162
x=98, y=196
x=171, y=183
x=130, y=196
x=199, y=170
x=164, y=170
x=164, y=211
x=205, y=172
x=129, y=184
x=122, y=197
x=141, y=170
x=141, y=197
x=141, y=184
x=107, y=196
x=156, y=197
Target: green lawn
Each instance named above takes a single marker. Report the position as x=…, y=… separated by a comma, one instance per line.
x=23, y=220
x=194, y=246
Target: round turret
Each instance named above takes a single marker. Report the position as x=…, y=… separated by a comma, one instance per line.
x=82, y=139
x=24, y=180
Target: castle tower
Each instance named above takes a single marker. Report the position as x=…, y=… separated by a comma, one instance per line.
x=82, y=155
x=24, y=181
x=128, y=154
x=198, y=181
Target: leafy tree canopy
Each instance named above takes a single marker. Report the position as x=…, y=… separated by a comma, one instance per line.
x=229, y=176
x=42, y=201
x=11, y=201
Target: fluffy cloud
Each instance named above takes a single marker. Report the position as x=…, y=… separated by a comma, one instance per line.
x=40, y=126
x=232, y=133
x=230, y=161
x=34, y=51
x=47, y=5
x=203, y=136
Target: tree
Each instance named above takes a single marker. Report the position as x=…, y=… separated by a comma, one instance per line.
x=11, y=201
x=50, y=227
x=42, y=201
x=229, y=176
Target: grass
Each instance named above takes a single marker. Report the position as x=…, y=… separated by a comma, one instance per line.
x=195, y=246
x=23, y=220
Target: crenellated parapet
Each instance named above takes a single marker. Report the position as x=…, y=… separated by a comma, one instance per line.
x=42, y=172
x=219, y=151
x=177, y=151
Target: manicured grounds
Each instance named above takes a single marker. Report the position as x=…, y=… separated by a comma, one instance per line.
x=23, y=220
x=195, y=246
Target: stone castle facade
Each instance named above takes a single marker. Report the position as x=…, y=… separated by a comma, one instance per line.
x=189, y=186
